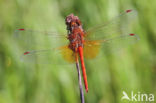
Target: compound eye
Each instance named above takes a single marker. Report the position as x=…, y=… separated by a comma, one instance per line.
x=78, y=22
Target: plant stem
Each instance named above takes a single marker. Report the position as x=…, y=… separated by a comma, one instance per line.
x=80, y=82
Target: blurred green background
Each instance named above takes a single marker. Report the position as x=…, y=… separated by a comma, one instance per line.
x=132, y=69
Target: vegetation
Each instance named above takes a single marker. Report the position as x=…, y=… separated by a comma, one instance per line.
x=131, y=69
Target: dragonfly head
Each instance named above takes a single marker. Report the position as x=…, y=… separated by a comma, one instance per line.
x=72, y=22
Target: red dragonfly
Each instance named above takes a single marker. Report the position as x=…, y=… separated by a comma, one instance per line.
x=86, y=44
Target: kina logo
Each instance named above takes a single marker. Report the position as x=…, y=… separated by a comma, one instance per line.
x=137, y=96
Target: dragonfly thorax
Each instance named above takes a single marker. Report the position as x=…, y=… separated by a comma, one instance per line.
x=75, y=32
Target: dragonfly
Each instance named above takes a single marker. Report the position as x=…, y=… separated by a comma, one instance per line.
x=86, y=44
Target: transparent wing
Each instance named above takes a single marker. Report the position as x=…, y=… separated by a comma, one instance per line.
x=36, y=32
x=45, y=56
x=35, y=39
x=37, y=56
x=34, y=44
x=91, y=47
x=117, y=26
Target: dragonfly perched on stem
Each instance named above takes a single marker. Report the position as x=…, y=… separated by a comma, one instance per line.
x=86, y=44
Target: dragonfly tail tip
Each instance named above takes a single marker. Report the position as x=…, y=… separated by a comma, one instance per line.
x=86, y=90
